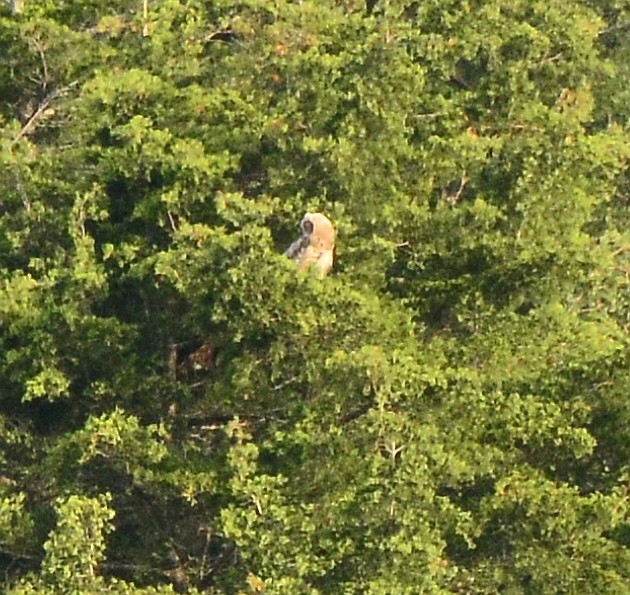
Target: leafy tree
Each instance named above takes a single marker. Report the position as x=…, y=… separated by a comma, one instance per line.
x=181, y=411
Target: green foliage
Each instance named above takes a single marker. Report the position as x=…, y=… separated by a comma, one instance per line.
x=77, y=544
x=16, y=525
x=181, y=411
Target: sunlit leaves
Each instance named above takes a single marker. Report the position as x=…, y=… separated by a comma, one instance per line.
x=446, y=412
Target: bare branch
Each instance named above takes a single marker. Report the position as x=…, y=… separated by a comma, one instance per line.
x=614, y=28
x=527, y=127
x=145, y=18
x=41, y=109
x=392, y=449
x=26, y=201
x=452, y=199
x=172, y=221
x=547, y=59
x=287, y=382
x=42, y=55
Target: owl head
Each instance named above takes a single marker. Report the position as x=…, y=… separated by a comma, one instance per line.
x=319, y=229
x=315, y=247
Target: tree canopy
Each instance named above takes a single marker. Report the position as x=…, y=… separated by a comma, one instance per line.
x=182, y=411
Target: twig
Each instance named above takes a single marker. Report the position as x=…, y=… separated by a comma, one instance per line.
x=41, y=108
x=285, y=383
x=430, y=116
x=527, y=127
x=613, y=28
x=204, y=558
x=393, y=450
x=42, y=55
x=26, y=201
x=452, y=199
x=553, y=58
x=172, y=221
x=145, y=17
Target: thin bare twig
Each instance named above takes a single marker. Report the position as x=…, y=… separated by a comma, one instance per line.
x=26, y=201
x=41, y=108
x=547, y=59
x=452, y=199
x=286, y=383
x=393, y=450
x=527, y=127
x=613, y=28
x=204, y=567
x=145, y=17
x=42, y=55
x=429, y=116
x=172, y=221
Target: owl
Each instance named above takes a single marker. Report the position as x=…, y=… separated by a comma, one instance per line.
x=316, y=245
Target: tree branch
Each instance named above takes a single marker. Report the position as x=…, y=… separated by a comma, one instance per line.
x=41, y=108
x=613, y=28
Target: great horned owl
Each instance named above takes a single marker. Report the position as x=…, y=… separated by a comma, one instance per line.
x=316, y=245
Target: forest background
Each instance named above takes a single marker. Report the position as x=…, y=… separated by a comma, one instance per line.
x=447, y=412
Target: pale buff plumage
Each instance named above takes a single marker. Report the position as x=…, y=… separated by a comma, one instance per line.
x=315, y=248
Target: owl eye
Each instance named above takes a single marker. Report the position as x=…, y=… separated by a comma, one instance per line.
x=307, y=226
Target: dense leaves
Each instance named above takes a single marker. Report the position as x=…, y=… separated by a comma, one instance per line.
x=181, y=411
